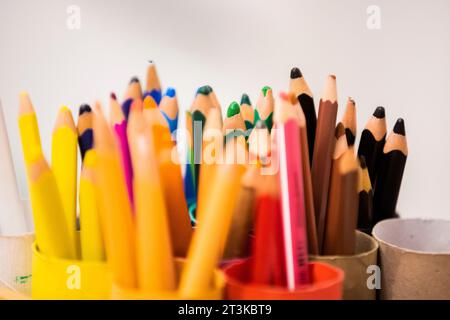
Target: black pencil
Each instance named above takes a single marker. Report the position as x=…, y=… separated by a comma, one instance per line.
x=349, y=122
x=372, y=142
x=390, y=175
x=365, y=211
x=300, y=89
x=84, y=128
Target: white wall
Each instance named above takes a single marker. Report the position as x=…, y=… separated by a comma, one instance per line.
x=240, y=46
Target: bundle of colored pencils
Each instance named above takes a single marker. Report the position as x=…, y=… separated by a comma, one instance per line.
x=275, y=171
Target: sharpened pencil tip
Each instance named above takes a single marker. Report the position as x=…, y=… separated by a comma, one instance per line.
x=245, y=99
x=134, y=80
x=399, y=127
x=233, y=109
x=84, y=108
x=265, y=89
x=113, y=96
x=379, y=112
x=204, y=90
x=296, y=73
x=171, y=92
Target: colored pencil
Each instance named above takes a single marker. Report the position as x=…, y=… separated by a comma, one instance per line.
x=342, y=212
x=299, y=87
x=390, y=174
x=119, y=128
x=12, y=218
x=84, y=127
x=292, y=195
x=267, y=259
x=28, y=127
x=313, y=245
x=323, y=152
x=116, y=209
x=372, y=142
x=349, y=122
x=169, y=109
x=264, y=107
x=365, y=211
x=207, y=241
x=92, y=242
x=247, y=111
x=170, y=177
x=153, y=85
x=52, y=234
x=64, y=167
x=155, y=264
x=233, y=125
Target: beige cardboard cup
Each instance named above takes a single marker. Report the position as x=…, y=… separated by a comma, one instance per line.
x=15, y=263
x=356, y=268
x=414, y=258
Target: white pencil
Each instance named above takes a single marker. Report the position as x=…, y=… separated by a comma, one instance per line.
x=12, y=215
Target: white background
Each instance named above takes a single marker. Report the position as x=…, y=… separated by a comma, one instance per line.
x=238, y=46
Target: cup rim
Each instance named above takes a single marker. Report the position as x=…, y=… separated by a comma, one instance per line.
x=80, y=262
x=16, y=236
x=339, y=278
x=403, y=249
x=374, y=249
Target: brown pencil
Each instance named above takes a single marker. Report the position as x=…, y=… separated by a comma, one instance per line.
x=372, y=142
x=301, y=90
x=365, y=211
x=349, y=122
x=323, y=152
x=342, y=212
x=389, y=177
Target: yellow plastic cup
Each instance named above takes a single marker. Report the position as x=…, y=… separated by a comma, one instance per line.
x=214, y=293
x=63, y=279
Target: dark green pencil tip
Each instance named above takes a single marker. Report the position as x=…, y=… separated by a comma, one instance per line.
x=399, y=127
x=265, y=89
x=205, y=90
x=245, y=99
x=233, y=109
x=296, y=73
x=260, y=125
x=379, y=112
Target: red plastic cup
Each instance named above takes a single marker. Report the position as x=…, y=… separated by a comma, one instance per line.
x=327, y=284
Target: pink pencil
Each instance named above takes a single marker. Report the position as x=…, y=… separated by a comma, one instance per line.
x=292, y=200
x=119, y=124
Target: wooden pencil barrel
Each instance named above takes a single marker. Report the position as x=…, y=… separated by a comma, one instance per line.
x=64, y=279
x=356, y=267
x=326, y=284
x=214, y=293
x=414, y=258
x=15, y=266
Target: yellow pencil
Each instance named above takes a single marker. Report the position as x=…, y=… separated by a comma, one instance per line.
x=115, y=206
x=64, y=167
x=52, y=234
x=171, y=178
x=92, y=245
x=208, y=240
x=28, y=126
x=155, y=264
